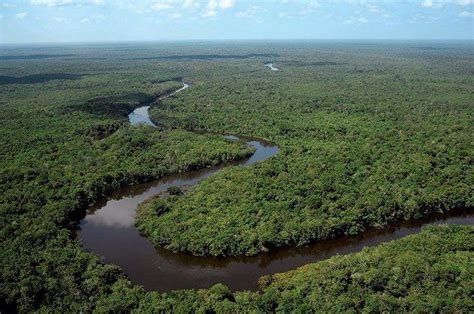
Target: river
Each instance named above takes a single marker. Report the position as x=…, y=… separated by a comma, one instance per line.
x=270, y=65
x=108, y=231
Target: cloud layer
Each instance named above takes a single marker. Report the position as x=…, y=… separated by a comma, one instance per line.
x=196, y=19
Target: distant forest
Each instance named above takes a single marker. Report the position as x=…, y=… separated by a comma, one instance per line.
x=369, y=134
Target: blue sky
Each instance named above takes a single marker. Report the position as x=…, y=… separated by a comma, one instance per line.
x=27, y=21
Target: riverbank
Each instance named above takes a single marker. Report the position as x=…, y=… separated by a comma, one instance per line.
x=428, y=270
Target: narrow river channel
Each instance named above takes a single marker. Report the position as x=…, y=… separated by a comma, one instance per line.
x=271, y=67
x=108, y=230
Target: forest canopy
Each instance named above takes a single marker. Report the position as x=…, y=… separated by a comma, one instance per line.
x=369, y=133
x=367, y=137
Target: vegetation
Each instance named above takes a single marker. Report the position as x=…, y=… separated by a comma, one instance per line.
x=428, y=272
x=369, y=133
x=366, y=138
x=174, y=190
x=66, y=144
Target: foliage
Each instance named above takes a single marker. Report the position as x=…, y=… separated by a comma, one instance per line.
x=64, y=145
x=369, y=133
x=428, y=272
x=174, y=190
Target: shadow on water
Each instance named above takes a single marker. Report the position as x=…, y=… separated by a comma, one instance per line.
x=108, y=231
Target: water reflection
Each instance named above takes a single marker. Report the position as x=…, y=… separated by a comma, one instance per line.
x=270, y=65
x=140, y=115
x=108, y=231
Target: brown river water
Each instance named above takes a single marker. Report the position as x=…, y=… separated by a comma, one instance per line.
x=108, y=231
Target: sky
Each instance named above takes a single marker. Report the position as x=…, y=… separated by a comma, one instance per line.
x=55, y=21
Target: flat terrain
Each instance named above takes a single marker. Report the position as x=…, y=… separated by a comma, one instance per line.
x=369, y=133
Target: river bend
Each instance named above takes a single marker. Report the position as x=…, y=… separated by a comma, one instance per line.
x=108, y=230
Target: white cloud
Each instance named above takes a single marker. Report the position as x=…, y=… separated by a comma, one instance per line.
x=52, y=3
x=191, y=4
x=427, y=3
x=249, y=12
x=464, y=2
x=161, y=5
x=213, y=6
x=422, y=19
x=211, y=9
x=370, y=6
x=175, y=16
x=60, y=3
x=226, y=4
x=356, y=2
x=356, y=21
x=466, y=14
x=309, y=7
x=441, y=3
x=21, y=15
x=59, y=19
x=9, y=5
x=92, y=19
x=314, y=4
x=373, y=8
x=209, y=13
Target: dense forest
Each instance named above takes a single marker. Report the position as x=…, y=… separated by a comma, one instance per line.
x=366, y=138
x=369, y=133
x=427, y=272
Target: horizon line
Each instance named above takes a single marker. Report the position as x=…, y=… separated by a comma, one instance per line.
x=131, y=41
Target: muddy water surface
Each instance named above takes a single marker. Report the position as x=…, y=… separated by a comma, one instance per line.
x=108, y=231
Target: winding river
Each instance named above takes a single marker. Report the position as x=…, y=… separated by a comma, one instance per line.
x=140, y=115
x=271, y=67
x=108, y=230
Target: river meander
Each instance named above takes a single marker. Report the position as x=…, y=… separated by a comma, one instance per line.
x=108, y=230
